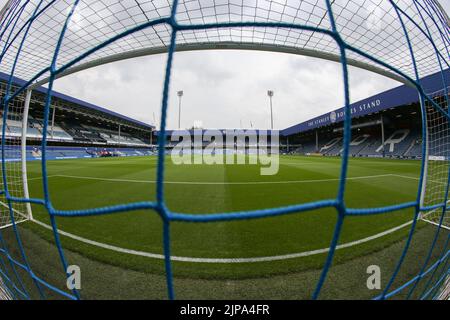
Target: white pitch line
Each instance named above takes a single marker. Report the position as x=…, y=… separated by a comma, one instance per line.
x=217, y=260
x=24, y=216
x=405, y=177
x=338, y=164
x=416, y=178
x=39, y=178
x=222, y=260
x=225, y=182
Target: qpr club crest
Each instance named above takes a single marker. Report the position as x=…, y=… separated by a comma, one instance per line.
x=333, y=117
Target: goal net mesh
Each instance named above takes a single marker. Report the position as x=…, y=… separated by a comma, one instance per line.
x=438, y=160
x=11, y=167
x=41, y=40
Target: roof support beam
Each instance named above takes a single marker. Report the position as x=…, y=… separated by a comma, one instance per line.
x=226, y=46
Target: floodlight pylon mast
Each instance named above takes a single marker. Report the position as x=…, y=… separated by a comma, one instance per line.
x=270, y=94
x=180, y=95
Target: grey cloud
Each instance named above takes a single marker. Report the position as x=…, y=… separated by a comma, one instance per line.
x=222, y=88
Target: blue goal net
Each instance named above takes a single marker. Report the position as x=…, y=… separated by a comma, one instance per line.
x=43, y=40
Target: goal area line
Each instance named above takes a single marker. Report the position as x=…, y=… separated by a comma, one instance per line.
x=24, y=216
x=228, y=182
x=423, y=216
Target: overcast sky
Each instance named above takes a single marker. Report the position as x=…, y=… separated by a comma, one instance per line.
x=223, y=89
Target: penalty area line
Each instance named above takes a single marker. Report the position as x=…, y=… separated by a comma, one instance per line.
x=229, y=183
x=221, y=260
x=215, y=260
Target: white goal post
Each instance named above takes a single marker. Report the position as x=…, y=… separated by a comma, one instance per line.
x=26, y=193
x=15, y=156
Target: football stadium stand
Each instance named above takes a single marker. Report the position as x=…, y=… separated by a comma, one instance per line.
x=387, y=124
x=384, y=125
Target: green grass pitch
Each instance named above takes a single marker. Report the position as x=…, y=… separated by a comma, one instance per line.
x=199, y=189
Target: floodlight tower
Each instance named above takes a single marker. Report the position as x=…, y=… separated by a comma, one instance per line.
x=270, y=94
x=180, y=95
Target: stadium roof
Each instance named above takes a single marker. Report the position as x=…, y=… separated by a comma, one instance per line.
x=85, y=106
x=402, y=95
x=100, y=32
